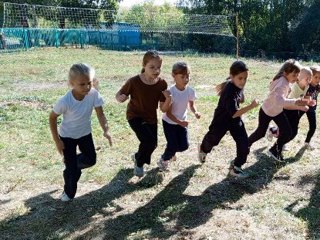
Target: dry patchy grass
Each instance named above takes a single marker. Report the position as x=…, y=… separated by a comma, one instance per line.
x=192, y=201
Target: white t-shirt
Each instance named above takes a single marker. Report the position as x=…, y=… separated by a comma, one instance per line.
x=76, y=121
x=296, y=91
x=180, y=100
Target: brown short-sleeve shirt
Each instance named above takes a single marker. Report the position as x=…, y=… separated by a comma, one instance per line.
x=144, y=98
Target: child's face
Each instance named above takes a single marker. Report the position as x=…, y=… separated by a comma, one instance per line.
x=240, y=79
x=81, y=86
x=315, y=79
x=152, y=69
x=291, y=77
x=181, y=80
x=304, y=82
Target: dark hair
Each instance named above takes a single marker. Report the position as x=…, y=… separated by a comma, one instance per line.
x=148, y=56
x=289, y=66
x=180, y=68
x=236, y=68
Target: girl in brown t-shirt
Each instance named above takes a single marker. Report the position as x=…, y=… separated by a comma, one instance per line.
x=146, y=90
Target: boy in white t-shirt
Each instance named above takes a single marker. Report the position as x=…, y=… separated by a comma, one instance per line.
x=75, y=130
x=175, y=119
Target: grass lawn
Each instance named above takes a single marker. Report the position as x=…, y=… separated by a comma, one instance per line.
x=192, y=201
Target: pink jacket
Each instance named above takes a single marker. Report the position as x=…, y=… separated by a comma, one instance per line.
x=277, y=98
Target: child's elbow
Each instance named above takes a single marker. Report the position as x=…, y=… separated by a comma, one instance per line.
x=164, y=109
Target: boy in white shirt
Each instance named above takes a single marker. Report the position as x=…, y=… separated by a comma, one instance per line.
x=175, y=123
x=75, y=130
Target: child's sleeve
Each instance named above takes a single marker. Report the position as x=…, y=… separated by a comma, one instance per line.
x=59, y=107
x=192, y=95
x=232, y=105
x=126, y=88
x=98, y=100
x=163, y=88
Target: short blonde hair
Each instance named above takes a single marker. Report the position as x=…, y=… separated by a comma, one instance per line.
x=305, y=72
x=81, y=69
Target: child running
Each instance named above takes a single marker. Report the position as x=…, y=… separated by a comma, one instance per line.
x=313, y=91
x=272, y=108
x=146, y=90
x=227, y=117
x=174, y=121
x=75, y=129
x=298, y=90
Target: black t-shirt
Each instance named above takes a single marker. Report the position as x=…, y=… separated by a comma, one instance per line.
x=313, y=91
x=228, y=105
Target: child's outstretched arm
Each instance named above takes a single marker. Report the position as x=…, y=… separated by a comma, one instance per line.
x=164, y=106
x=54, y=131
x=245, y=109
x=103, y=123
x=121, y=97
x=193, y=109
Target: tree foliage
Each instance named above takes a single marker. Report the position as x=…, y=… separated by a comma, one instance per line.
x=269, y=25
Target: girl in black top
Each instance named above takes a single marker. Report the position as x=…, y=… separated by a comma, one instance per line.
x=313, y=91
x=227, y=117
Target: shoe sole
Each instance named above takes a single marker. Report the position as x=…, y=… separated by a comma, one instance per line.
x=237, y=176
x=274, y=157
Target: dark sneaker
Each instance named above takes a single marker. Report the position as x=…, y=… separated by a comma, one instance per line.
x=276, y=155
x=237, y=172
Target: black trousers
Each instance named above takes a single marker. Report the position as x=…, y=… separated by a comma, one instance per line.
x=148, y=136
x=294, y=118
x=312, y=119
x=283, y=124
x=216, y=132
x=177, y=139
x=75, y=162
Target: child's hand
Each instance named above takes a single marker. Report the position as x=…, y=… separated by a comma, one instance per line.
x=302, y=102
x=167, y=94
x=254, y=103
x=122, y=98
x=184, y=124
x=197, y=115
x=312, y=103
x=303, y=108
x=108, y=136
x=60, y=146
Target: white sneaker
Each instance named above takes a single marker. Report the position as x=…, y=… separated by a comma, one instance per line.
x=202, y=156
x=285, y=148
x=309, y=146
x=269, y=135
x=64, y=197
x=163, y=165
x=137, y=171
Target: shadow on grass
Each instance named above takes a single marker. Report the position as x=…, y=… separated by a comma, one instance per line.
x=172, y=213
x=169, y=213
x=311, y=212
x=230, y=190
x=152, y=218
x=49, y=218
